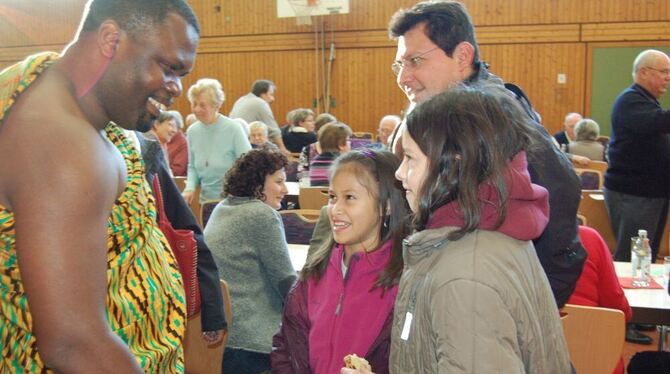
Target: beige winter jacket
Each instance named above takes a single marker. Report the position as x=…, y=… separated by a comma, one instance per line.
x=481, y=304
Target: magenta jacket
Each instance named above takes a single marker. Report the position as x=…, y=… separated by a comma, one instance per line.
x=325, y=321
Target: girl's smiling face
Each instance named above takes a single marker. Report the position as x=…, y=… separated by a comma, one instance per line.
x=354, y=211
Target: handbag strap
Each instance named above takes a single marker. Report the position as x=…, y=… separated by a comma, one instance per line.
x=156, y=184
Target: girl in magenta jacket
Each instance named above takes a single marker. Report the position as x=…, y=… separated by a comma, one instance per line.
x=343, y=302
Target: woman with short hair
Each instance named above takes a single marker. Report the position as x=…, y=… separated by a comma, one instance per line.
x=586, y=143
x=246, y=236
x=300, y=130
x=333, y=140
x=214, y=141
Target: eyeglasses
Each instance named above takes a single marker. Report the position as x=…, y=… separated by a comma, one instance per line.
x=411, y=63
x=664, y=71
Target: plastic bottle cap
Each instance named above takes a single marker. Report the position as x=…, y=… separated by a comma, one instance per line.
x=642, y=232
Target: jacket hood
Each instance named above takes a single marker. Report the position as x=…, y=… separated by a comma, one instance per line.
x=527, y=205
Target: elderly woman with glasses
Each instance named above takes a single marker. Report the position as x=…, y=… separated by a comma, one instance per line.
x=214, y=141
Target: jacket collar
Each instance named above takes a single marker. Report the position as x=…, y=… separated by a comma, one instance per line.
x=376, y=259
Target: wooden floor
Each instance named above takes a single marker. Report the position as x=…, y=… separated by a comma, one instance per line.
x=629, y=349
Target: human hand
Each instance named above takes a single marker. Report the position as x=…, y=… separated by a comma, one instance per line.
x=188, y=196
x=355, y=371
x=212, y=338
x=581, y=160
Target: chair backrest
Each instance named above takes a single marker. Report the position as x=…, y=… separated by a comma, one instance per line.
x=591, y=179
x=358, y=143
x=198, y=357
x=595, y=337
x=313, y=197
x=604, y=140
x=299, y=224
x=592, y=206
x=206, y=211
x=195, y=204
x=595, y=165
x=362, y=135
x=582, y=220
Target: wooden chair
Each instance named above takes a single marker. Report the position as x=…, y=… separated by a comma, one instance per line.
x=362, y=135
x=195, y=204
x=198, y=357
x=595, y=337
x=582, y=220
x=595, y=165
x=313, y=197
x=591, y=179
x=604, y=140
x=299, y=224
x=206, y=210
x=592, y=207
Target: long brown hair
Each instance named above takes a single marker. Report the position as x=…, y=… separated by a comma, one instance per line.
x=469, y=136
x=375, y=170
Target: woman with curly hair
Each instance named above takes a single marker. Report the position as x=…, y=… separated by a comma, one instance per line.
x=246, y=236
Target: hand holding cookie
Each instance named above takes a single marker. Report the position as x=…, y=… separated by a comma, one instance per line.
x=355, y=365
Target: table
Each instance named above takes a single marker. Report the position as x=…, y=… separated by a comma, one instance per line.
x=293, y=188
x=298, y=254
x=291, y=197
x=649, y=305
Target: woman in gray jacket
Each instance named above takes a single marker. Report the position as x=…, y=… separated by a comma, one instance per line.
x=246, y=236
x=473, y=297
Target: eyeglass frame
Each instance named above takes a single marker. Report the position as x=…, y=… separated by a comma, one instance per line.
x=664, y=71
x=412, y=62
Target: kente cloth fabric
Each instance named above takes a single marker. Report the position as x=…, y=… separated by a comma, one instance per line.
x=145, y=303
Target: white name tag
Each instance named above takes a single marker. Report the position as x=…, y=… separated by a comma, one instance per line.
x=404, y=335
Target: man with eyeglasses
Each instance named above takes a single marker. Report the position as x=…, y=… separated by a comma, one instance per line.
x=437, y=49
x=637, y=182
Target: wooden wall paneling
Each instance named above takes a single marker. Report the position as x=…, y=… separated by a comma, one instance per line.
x=589, y=64
x=631, y=31
x=528, y=12
x=528, y=34
x=292, y=72
x=38, y=22
x=364, y=87
x=225, y=17
x=535, y=67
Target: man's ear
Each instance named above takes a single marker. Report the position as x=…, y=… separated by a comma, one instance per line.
x=464, y=53
x=109, y=35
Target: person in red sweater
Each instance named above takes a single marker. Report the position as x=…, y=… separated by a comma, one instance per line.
x=177, y=147
x=598, y=285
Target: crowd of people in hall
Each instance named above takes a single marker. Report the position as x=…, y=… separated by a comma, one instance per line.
x=451, y=234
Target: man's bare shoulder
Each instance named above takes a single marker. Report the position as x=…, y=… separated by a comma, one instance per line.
x=46, y=137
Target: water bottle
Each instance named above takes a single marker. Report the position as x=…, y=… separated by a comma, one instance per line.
x=641, y=260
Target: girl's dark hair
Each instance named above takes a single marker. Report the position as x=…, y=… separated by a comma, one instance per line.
x=246, y=178
x=469, y=136
x=375, y=170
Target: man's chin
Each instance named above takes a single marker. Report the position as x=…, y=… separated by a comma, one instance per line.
x=145, y=122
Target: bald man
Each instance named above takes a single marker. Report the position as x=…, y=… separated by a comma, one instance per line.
x=637, y=182
x=568, y=133
x=387, y=125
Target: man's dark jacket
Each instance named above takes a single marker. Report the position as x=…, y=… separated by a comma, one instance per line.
x=560, y=252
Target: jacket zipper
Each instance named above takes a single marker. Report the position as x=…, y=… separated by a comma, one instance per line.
x=338, y=308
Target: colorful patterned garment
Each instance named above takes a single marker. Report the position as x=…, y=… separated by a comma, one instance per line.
x=145, y=298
